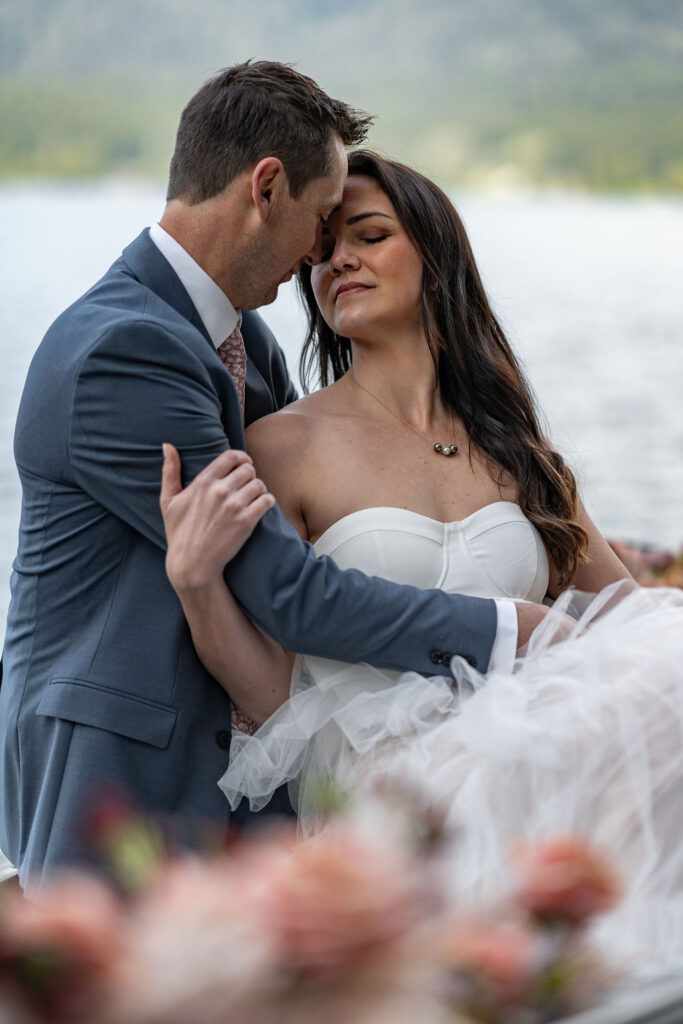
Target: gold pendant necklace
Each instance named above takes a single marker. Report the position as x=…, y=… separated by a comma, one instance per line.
x=440, y=449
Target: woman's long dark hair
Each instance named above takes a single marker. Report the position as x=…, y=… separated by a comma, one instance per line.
x=479, y=377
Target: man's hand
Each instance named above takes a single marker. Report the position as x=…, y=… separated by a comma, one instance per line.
x=528, y=617
x=208, y=522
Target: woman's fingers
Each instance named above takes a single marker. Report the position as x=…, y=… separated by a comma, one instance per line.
x=255, y=510
x=171, y=484
x=208, y=521
x=223, y=465
x=234, y=480
x=219, y=471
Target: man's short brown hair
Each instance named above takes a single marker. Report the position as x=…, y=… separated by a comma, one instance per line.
x=255, y=110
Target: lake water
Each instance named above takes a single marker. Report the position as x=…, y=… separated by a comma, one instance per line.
x=589, y=290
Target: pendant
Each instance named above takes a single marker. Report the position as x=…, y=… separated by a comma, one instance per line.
x=448, y=450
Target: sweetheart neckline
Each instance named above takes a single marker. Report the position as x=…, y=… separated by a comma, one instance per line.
x=417, y=515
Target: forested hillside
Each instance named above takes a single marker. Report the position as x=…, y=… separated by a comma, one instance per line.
x=572, y=92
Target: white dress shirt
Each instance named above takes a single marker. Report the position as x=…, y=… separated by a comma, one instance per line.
x=215, y=309
x=220, y=318
x=505, y=645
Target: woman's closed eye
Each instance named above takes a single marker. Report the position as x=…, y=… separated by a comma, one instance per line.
x=329, y=244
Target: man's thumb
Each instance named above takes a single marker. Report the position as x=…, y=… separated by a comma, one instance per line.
x=171, y=483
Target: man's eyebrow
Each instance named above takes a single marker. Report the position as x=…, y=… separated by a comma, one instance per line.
x=362, y=216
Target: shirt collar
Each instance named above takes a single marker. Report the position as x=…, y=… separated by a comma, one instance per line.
x=217, y=313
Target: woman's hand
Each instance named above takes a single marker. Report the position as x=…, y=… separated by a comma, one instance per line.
x=208, y=521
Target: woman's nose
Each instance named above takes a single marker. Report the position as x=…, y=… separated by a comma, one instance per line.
x=344, y=257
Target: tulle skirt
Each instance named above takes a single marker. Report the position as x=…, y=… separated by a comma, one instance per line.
x=585, y=736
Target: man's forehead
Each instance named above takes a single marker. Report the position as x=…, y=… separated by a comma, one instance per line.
x=331, y=196
x=340, y=166
x=328, y=189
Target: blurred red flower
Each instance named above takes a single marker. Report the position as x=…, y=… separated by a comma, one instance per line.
x=565, y=879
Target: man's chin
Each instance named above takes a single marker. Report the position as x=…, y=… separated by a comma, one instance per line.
x=265, y=299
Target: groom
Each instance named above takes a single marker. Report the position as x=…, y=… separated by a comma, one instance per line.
x=102, y=687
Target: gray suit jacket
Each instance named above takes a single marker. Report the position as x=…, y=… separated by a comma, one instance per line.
x=102, y=687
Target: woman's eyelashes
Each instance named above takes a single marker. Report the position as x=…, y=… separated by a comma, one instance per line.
x=330, y=243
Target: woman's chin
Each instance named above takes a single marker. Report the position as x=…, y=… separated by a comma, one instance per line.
x=356, y=323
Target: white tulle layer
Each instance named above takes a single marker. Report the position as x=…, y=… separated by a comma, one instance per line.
x=585, y=736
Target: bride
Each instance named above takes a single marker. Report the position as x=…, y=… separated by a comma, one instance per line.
x=422, y=460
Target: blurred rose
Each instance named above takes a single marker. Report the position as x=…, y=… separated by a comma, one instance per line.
x=61, y=951
x=341, y=898
x=650, y=566
x=199, y=945
x=495, y=962
x=565, y=879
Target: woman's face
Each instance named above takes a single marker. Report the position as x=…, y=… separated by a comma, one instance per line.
x=370, y=279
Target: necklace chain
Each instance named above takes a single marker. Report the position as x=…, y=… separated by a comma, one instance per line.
x=440, y=449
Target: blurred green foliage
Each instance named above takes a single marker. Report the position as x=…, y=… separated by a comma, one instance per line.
x=521, y=92
x=70, y=129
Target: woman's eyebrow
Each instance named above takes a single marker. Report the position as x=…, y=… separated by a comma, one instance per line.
x=362, y=216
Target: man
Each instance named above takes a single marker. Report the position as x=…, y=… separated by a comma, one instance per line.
x=102, y=685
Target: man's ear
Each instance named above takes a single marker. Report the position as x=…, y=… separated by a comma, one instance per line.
x=268, y=182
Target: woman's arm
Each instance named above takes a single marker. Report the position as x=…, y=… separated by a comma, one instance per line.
x=206, y=525
x=603, y=566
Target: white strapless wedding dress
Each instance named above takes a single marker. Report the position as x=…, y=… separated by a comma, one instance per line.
x=586, y=735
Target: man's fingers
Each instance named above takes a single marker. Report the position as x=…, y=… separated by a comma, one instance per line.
x=171, y=483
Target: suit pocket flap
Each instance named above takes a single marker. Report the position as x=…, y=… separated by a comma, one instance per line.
x=77, y=700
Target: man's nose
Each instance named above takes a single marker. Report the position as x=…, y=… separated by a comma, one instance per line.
x=315, y=253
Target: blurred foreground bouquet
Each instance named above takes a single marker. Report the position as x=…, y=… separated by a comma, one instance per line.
x=351, y=926
x=651, y=566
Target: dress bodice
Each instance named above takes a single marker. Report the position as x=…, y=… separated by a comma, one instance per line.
x=495, y=552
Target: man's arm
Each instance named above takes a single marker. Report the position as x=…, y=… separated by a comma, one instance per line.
x=206, y=525
x=140, y=386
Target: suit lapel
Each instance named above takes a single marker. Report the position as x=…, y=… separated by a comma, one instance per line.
x=154, y=271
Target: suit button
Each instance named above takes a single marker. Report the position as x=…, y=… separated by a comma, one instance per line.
x=223, y=738
x=446, y=658
x=435, y=657
x=470, y=660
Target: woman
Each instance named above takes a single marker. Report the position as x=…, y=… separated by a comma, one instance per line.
x=424, y=462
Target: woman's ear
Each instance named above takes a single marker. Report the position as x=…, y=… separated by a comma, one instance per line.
x=268, y=179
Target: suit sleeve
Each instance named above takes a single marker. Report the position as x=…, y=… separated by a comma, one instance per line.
x=140, y=386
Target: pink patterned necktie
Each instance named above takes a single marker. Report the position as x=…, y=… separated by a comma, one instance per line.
x=233, y=355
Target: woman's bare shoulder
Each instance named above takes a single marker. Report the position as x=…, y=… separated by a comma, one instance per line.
x=290, y=439
x=283, y=425
x=294, y=423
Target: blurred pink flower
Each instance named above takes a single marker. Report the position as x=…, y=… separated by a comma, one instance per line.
x=565, y=879
x=341, y=899
x=61, y=951
x=198, y=945
x=496, y=962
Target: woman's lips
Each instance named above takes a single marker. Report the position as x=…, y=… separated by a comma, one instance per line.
x=353, y=288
